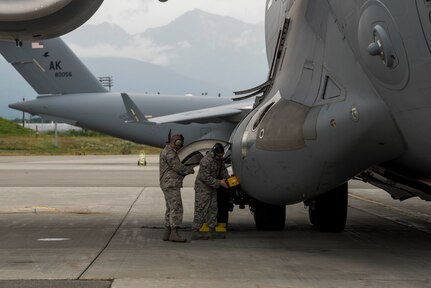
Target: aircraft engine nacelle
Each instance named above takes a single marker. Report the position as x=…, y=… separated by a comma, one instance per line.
x=285, y=152
x=29, y=20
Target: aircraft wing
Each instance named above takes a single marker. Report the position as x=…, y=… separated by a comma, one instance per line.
x=201, y=115
x=206, y=115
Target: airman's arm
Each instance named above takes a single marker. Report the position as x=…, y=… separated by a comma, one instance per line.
x=176, y=165
x=206, y=177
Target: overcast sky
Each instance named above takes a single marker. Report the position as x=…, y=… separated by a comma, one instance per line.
x=136, y=16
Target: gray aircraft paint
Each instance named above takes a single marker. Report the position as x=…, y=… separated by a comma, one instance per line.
x=342, y=112
x=74, y=96
x=53, y=19
x=347, y=96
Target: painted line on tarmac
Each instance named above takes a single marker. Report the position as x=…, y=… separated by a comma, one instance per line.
x=402, y=211
x=414, y=220
x=112, y=236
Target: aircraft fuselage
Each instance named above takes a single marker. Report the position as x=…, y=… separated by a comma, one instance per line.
x=105, y=112
x=337, y=107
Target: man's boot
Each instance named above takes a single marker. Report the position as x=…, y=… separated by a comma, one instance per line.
x=174, y=237
x=215, y=235
x=167, y=234
x=196, y=235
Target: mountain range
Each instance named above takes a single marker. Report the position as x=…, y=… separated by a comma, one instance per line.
x=197, y=53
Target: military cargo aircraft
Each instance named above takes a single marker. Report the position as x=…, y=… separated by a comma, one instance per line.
x=347, y=97
x=70, y=93
x=32, y=20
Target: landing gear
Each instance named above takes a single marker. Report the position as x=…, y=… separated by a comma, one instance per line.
x=328, y=212
x=269, y=217
x=223, y=205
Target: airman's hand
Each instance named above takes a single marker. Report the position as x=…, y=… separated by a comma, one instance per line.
x=223, y=183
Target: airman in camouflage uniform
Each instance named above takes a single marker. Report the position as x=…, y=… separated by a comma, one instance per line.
x=206, y=185
x=172, y=173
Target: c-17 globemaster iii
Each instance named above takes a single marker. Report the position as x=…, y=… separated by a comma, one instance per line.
x=70, y=93
x=347, y=96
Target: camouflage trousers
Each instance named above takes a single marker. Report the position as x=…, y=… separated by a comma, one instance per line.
x=205, y=207
x=174, y=207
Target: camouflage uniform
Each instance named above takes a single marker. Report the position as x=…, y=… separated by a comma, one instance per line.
x=206, y=186
x=172, y=173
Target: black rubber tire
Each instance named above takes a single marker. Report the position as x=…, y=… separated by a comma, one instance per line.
x=328, y=212
x=269, y=217
x=222, y=205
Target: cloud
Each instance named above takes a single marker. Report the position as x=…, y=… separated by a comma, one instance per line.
x=250, y=40
x=140, y=48
x=184, y=44
x=136, y=16
x=127, y=14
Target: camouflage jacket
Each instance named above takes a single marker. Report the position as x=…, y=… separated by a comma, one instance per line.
x=209, y=171
x=172, y=171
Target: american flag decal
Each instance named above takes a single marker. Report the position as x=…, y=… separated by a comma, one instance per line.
x=36, y=45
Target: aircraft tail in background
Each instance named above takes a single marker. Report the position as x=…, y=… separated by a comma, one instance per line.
x=50, y=67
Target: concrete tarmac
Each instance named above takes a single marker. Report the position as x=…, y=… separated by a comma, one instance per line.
x=96, y=221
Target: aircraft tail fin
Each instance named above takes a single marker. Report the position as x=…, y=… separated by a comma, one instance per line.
x=50, y=67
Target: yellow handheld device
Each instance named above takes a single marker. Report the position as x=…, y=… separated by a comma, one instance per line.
x=232, y=181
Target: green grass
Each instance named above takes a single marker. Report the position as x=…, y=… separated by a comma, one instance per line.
x=15, y=140
x=11, y=128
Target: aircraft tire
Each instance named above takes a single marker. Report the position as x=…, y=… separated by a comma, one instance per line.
x=328, y=212
x=269, y=217
x=223, y=205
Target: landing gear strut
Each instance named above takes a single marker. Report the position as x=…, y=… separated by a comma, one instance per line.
x=328, y=212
